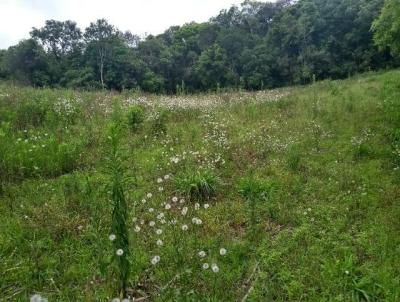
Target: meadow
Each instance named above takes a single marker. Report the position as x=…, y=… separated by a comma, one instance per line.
x=280, y=195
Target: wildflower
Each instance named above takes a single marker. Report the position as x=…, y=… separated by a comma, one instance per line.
x=144, y=201
x=160, y=189
x=160, y=242
x=160, y=216
x=149, y=195
x=120, y=252
x=159, y=231
x=112, y=237
x=197, y=206
x=167, y=206
x=222, y=252
x=134, y=219
x=184, y=227
x=215, y=268
x=36, y=298
x=184, y=211
x=159, y=180
x=202, y=254
x=80, y=227
x=182, y=201
x=206, y=206
x=174, y=199
x=137, y=229
x=206, y=265
x=152, y=223
x=166, y=177
x=151, y=210
x=197, y=221
x=155, y=260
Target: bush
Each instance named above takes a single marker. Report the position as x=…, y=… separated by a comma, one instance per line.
x=200, y=185
x=160, y=122
x=135, y=117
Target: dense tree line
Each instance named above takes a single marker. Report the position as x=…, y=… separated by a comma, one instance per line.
x=254, y=46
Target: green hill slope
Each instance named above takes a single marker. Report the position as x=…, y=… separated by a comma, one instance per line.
x=299, y=186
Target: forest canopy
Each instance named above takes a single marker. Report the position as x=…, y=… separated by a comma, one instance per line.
x=255, y=46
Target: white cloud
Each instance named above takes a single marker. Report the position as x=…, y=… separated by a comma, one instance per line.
x=139, y=16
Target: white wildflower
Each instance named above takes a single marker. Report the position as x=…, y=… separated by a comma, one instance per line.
x=155, y=260
x=112, y=237
x=184, y=227
x=222, y=251
x=159, y=231
x=160, y=242
x=206, y=265
x=215, y=268
x=202, y=254
x=120, y=252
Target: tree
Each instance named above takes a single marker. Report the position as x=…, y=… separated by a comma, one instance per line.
x=386, y=27
x=212, y=69
x=99, y=37
x=27, y=63
x=58, y=37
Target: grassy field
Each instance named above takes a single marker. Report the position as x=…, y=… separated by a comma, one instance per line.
x=285, y=195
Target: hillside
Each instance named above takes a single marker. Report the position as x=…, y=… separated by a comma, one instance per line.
x=281, y=195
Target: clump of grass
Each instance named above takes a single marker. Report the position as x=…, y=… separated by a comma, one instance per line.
x=200, y=185
x=135, y=117
x=119, y=231
x=255, y=191
x=294, y=158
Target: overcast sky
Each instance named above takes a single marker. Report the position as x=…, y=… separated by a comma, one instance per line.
x=17, y=17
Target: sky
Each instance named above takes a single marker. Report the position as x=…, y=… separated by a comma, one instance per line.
x=17, y=17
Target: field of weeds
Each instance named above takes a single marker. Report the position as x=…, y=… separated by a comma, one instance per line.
x=283, y=195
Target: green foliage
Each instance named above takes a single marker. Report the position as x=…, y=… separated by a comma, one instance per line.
x=387, y=27
x=159, y=123
x=201, y=185
x=119, y=218
x=326, y=229
x=135, y=117
x=257, y=45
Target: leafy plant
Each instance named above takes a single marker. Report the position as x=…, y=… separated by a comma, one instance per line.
x=119, y=231
x=135, y=117
x=200, y=185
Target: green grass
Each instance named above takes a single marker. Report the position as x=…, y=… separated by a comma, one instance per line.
x=320, y=164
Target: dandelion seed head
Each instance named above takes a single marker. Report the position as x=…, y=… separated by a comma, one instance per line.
x=159, y=231
x=205, y=266
x=174, y=199
x=167, y=206
x=159, y=180
x=137, y=229
x=155, y=260
x=206, y=206
x=152, y=223
x=215, y=268
x=184, y=227
x=160, y=242
x=149, y=195
x=202, y=254
x=222, y=251
x=120, y=252
x=112, y=237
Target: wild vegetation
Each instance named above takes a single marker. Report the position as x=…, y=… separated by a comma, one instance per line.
x=281, y=195
x=255, y=46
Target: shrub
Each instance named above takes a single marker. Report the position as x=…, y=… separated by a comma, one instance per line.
x=135, y=117
x=200, y=185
